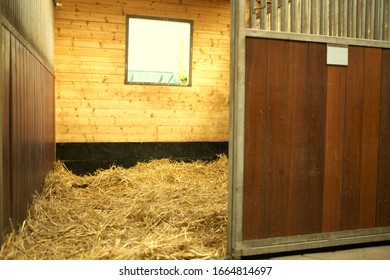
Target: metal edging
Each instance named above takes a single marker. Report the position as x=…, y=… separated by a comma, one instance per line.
x=236, y=141
x=316, y=38
x=1, y=126
x=314, y=241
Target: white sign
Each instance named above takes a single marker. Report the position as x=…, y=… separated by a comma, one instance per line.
x=337, y=55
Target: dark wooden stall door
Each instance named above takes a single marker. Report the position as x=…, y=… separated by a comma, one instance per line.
x=284, y=138
x=316, y=138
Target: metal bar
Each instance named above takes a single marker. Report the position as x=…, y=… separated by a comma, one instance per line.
x=331, y=18
x=252, y=13
x=305, y=16
x=358, y=22
x=317, y=38
x=379, y=19
x=274, y=15
x=310, y=241
x=387, y=21
x=263, y=15
x=314, y=18
x=354, y=18
x=362, y=17
x=370, y=20
x=284, y=18
x=324, y=17
x=343, y=18
x=333, y=22
x=294, y=16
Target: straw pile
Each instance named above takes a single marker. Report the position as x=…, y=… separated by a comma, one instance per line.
x=157, y=210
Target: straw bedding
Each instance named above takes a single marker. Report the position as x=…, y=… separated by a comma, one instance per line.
x=161, y=209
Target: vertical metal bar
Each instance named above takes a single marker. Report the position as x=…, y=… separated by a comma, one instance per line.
x=263, y=14
x=333, y=22
x=387, y=21
x=352, y=14
x=331, y=17
x=314, y=18
x=252, y=13
x=284, y=19
x=274, y=15
x=362, y=18
x=344, y=18
x=358, y=21
x=324, y=17
x=370, y=20
x=379, y=19
x=294, y=16
x=305, y=26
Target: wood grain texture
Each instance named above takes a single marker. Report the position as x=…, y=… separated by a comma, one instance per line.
x=316, y=114
x=316, y=140
x=334, y=148
x=94, y=105
x=297, y=135
x=6, y=211
x=276, y=189
x=255, y=138
x=352, y=158
x=29, y=122
x=383, y=194
x=284, y=138
x=370, y=137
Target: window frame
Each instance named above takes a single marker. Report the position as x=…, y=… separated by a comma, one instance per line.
x=191, y=22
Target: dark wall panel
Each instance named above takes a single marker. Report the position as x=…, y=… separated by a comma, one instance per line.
x=276, y=142
x=383, y=197
x=297, y=133
x=334, y=148
x=354, y=98
x=284, y=138
x=255, y=137
x=28, y=126
x=5, y=110
x=316, y=115
x=370, y=137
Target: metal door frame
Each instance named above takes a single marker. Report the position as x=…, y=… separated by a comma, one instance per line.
x=237, y=247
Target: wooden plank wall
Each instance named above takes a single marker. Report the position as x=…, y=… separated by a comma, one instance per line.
x=94, y=105
x=315, y=138
x=27, y=125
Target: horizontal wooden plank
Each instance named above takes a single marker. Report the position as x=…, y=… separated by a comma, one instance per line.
x=102, y=95
x=141, y=129
x=130, y=104
x=140, y=121
x=172, y=137
x=110, y=44
x=88, y=113
x=190, y=9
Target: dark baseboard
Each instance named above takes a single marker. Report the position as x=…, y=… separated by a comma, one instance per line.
x=83, y=158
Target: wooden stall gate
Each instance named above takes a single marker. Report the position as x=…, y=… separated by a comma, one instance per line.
x=310, y=131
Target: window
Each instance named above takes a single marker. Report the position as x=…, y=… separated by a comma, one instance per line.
x=158, y=51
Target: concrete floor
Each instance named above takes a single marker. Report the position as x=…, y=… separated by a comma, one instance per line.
x=372, y=252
